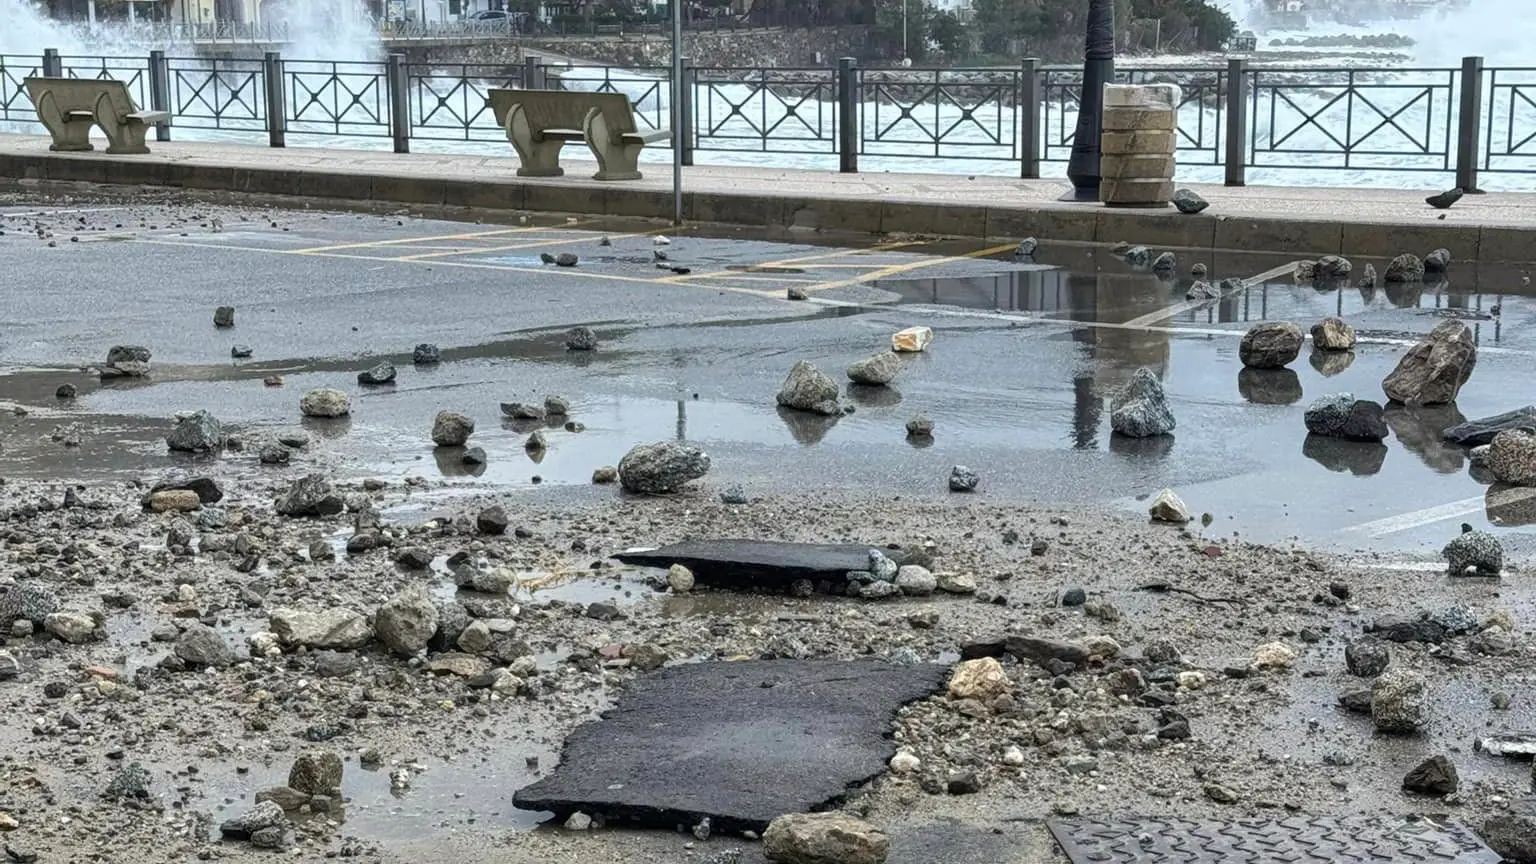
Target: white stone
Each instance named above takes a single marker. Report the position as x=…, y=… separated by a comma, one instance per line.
x=982, y=679
x=1013, y=756
x=957, y=583
x=680, y=579
x=1274, y=655
x=905, y=763
x=579, y=821
x=1191, y=680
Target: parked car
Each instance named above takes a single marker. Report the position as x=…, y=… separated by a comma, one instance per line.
x=491, y=15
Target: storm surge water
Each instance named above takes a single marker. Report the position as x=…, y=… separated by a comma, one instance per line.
x=338, y=31
x=25, y=32
x=1499, y=31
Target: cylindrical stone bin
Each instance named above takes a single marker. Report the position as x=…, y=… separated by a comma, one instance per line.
x=1141, y=128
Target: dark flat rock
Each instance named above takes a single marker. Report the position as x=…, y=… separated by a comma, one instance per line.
x=1476, y=433
x=741, y=743
x=761, y=564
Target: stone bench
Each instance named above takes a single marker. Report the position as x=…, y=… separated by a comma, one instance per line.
x=540, y=122
x=68, y=107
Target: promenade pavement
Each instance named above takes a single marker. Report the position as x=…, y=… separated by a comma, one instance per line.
x=1293, y=220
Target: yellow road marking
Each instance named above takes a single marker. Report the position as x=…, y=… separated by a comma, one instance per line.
x=897, y=269
x=472, y=235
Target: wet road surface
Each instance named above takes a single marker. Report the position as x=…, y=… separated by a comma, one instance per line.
x=1025, y=359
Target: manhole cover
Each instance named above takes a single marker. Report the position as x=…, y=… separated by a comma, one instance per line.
x=1251, y=841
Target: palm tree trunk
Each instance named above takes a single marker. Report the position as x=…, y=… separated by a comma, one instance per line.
x=1098, y=70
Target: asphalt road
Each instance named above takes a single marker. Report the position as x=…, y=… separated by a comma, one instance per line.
x=1017, y=381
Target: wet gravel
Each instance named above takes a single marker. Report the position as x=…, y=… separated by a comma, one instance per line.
x=1092, y=740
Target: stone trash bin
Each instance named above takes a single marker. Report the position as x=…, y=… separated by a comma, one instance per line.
x=1141, y=128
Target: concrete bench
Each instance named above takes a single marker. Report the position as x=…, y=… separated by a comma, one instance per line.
x=68, y=107
x=540, y=122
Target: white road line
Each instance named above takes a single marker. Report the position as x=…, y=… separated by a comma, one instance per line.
x=1418, y=518
x=1188, y=305
x=1045, y=319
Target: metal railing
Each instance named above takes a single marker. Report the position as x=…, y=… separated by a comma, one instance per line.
x=1467, y=121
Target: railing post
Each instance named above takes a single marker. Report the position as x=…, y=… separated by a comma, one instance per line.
x=848, y=115
x=1029, y=118
x=399, y=102
x=687, y=108
x=277, y=107
x=1469, y=122
x=53, y=64
x=1237, y=122
x=160, y=92
x=533, y=72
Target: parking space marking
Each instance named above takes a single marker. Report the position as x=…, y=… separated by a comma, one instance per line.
x=1188, y=305
x=477, y=265
x=907, y=267
x=791, y=262
x=1419, y=518
x=471, y=235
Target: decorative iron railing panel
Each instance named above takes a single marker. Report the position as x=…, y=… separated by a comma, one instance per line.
x=1509, y=136
x=1351, y=119
x=337, y=98
x=213, y=93
x=448, y=100
x=940, y=113
x=765, y=110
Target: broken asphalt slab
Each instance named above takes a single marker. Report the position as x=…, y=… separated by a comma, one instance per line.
x=758, y=564
x=741, y=743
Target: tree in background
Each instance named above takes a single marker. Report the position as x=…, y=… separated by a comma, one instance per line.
x=927, y=30
x=1047, y=28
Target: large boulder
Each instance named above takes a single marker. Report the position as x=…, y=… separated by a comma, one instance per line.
x=1432, y=372
x=824, y=838
x=1333, y=334
x=1189, y=202
x=1331, y=268
x=126, y=361
x=406, y=622
x=662, y=467
x=205, y=488
x=1141, y=409
x=383, y=373
x=1169, y=507
x=807, y=388
x=325, y=402
x=1477, y=551
x=1398, y=702
x=199, y=645
x=316, y=772
x=1341, y=415
x=332, y=628
x=1404, y=268
x=875, y=371
x=983, y=679
x=199, y=433
x=451, y=429
x=1475, y=433
x=1512, y=458
x=1271, y=345
x=311, y=495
